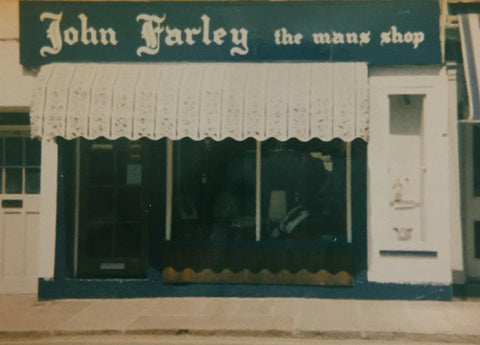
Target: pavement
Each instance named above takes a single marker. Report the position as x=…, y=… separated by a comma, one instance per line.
x=435, y=321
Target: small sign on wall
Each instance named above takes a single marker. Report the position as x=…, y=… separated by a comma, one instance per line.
x=134, y=174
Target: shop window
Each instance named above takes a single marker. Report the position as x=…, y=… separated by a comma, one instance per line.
x=303, y=190
x=20, y=161
x=476, y=160
x=476, y=239
x=235, y=206
x=214, y=190
x=259, y=212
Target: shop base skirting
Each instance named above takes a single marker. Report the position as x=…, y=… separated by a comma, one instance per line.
x=136, y=288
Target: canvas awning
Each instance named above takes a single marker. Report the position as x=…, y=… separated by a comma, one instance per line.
x=469, y=25
x=199, y=100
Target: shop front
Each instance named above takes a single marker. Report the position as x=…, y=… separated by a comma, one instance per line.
x=468, y=58
x=203, y=149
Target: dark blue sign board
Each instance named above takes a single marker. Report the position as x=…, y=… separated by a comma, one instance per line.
x=378, y=32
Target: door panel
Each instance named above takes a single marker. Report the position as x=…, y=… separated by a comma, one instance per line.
x=113, y=209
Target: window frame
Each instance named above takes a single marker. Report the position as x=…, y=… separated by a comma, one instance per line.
x=22, y=132
x=258, y=196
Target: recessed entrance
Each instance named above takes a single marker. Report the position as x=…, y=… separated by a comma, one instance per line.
x=113, y=234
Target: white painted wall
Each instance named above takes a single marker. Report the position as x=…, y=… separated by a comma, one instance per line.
x=15, y=82
x=38, y=244
x=438, y=186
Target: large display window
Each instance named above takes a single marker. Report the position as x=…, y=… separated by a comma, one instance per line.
x=237, y=211
x=302, y=190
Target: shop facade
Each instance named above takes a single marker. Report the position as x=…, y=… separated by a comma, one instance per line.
x=221, y=153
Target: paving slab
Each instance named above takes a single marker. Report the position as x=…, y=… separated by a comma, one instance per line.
x=105, y=315
x=295, y=317
x=216, y=323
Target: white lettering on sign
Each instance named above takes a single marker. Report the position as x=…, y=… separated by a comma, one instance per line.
x=393, y=36
x=153, y=29
x=285, y=38
x=53, y=33
x=155, y=35
x=71, y=36
x=336, y=37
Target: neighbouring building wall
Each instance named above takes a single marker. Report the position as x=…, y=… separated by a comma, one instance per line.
x=15, y=82
x=27, y=240
x=411, y=173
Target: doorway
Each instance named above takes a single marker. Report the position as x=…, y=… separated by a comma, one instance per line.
x=20, y=162
x=113, y=229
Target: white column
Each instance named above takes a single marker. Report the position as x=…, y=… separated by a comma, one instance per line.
x=458, y=273
x=48, y=209
x=169, y=188
x=258, y=190
x=348, y=180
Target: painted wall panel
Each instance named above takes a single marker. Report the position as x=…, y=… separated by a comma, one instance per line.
x=13, y=249
x=436, y=170
x=31, y=244
x=15, y=83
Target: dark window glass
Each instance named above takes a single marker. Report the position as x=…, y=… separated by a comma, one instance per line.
x=32, y=152
x=129, y=204
x=476, y=160
x=303, y=190
x=99, y=240
x=13, y=151
x=13, y=180
x=1, y=151
x=477, y=239
x=100, y=206
x=128, y=240
x=214, y=190
x=101, y=167
x=32, y=180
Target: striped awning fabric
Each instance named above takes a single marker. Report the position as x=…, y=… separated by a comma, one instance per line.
x=199, y=100
x=470, y=39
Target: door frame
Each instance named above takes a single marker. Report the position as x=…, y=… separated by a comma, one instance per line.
x=139, y=264
x=28, y=207
x=470, y=202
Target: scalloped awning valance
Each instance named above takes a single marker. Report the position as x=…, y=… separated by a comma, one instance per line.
x=199, y=100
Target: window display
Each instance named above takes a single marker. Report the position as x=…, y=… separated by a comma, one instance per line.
x=214, y=190
x=302, y=190
x=241, y=211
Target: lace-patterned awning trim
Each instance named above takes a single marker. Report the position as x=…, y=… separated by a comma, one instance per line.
x=199, y=100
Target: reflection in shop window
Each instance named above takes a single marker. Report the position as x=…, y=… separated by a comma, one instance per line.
x=214, y=190
x=302, y=190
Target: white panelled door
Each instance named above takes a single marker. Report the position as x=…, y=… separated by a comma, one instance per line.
x=20, y=161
